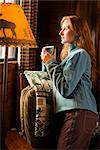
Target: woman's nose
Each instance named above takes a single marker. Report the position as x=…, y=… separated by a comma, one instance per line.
x=61, y=32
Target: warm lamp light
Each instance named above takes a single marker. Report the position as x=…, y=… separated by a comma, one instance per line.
x=14, y=31
x=14, y=27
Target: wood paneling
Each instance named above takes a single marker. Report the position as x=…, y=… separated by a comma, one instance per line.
x=49, y=16
x=10, y=108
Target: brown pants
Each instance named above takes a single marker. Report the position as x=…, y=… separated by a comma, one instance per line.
x=73, y=130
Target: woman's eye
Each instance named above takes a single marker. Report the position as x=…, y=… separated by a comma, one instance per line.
x=67, y=27
x=64, y=29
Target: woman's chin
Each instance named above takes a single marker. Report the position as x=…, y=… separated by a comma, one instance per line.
x=63, y=41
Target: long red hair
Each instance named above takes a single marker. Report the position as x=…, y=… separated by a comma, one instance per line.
x=80, y=26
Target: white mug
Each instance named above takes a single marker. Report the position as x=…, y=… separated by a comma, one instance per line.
x=49, y=49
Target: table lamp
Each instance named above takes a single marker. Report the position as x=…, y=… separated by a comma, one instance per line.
x=16, y=32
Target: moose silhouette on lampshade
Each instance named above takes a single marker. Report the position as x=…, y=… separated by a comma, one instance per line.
x=4, y=24
x=14, y=27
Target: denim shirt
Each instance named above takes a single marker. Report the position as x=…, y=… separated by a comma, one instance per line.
x=71, y=81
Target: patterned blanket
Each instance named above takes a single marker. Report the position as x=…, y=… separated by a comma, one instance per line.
x=41, y=90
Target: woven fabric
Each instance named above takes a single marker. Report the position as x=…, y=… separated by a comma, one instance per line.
x=28, y=56
x=42, y=85
x=35, y=121
x=39, y=80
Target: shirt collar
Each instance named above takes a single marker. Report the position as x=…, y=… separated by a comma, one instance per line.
x=71, y=47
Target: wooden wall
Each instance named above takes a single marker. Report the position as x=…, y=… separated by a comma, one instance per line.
x=10, y=108
x=49, y=16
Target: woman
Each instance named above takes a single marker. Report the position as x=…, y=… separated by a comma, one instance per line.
x=76, y=110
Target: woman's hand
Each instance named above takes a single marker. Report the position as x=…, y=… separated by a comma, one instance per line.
x=46, y=56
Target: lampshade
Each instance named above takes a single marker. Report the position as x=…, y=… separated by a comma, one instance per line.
x=14, y=27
